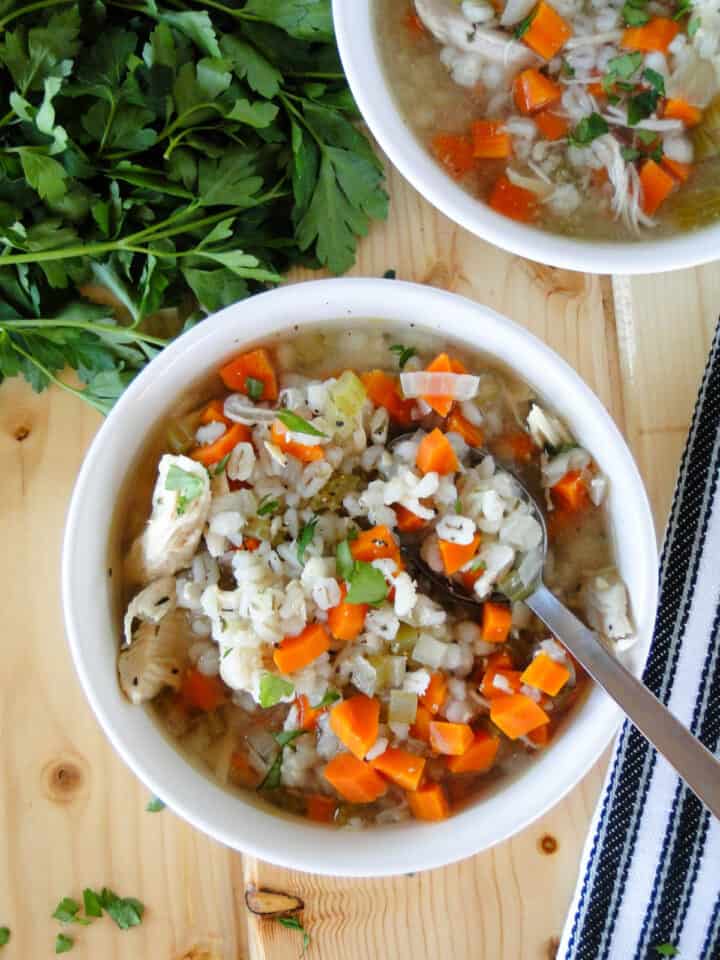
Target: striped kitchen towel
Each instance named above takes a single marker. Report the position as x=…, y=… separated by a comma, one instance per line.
x=649, y=883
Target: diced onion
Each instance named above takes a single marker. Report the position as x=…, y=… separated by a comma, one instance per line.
x=238, y=408
x=515, y=11
x=403, y=706
x=459, y=386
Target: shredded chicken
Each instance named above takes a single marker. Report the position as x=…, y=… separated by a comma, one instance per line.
x=155, y=658
x=445, y=21
x=606, y=605
x=150, y=605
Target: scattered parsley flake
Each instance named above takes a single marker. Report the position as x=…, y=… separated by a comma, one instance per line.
x=187, y=485
x=666, y=950
x=403, y=353
x=125, y=911
x=297, y=424
x=273, y=689
x=390, y=275
x=91, y=902
x=641, y=106
x=272, y=778
x=331, y=696
x=216, y=469
x=267, y=507
x=155, y=805
x=655, y=79
x=4, y=936
x=286, y=737
x=67, y=912
x=367, y=584
x=255, y=388
x=63, y=943
x=635, y=13
x=292, y=923
x=344, y=560
x=587, y=130
x=305, y=539
x=522, y=28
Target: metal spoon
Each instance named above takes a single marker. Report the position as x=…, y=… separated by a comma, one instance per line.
x=692, y=761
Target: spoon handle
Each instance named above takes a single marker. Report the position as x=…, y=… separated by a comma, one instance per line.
x=693, y=762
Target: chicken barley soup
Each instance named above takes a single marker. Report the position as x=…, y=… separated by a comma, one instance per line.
x=276, y=622
x=597, y=119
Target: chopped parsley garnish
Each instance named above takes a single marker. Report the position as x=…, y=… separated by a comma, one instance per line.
x=344, y=560
x=305, y=539
x=646, y=137
x=297, y=424
x=683, y=7
x=458, y=506
x=587, y=130
x=693, y=26
x=91, y=902
x=666, y=950
x=522, y=28
x=292, y=923
x=4, y=936
x=331, y=696
x=155, y=805
x=187, y=485
x=641, y=106
x=620, y=69
x=367, y=584
x=390, y=275
x=286, y=737
x=215, y=469
x=63, y=943
x=566, y=69
x=273, y=689
x=267, y=507
x=635, y=12
x=125, y=911
x=272, y=779
x=478, y=566
x=655, y=80
x=255, y=388
x=67, y=912
x=403, y=353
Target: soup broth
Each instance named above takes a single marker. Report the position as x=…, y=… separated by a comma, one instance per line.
x=276, y=627
x=584, y=170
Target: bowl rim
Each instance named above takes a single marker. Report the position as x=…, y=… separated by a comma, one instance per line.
x=305, y=846
x=365, y=73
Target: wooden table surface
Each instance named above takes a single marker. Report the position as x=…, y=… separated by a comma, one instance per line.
x=72, y=815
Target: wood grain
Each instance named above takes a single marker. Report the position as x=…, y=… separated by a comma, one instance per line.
x=72, y=815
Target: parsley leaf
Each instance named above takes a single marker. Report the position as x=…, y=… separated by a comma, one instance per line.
x=344, y=560
x=621, y=68
x=125, y=911
x=255, y=388
x=458, y=506
x=403, y=353
x=666, y=950
x=273, y=689
x=63, y=943
x=297, y=424
x=272, y=778
x=655, y=79
x=4, y=936
x=330, y=697
x=566, y=69
x=216, y=469
x=522, y=28
x=635, y=12
x=286, y=737
x=91, y=903
x=67, y=912
x=305, y=539
x=267, y=507
x=187, y=485
x=390, y=275
x=641, y=106
x=367, y=584
x=587, y=130
x=292, y=923
x=155, y=805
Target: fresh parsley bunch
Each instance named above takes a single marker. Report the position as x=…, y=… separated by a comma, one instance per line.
x=164, y=156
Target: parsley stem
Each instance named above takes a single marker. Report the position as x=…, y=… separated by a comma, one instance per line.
x=103, y=329
x=51, y=376
x=39, y=5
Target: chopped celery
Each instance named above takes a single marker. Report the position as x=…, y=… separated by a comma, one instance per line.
x=334, y=492
x=405, y=639
x=403, y=706
x=429, y=651
x=181, y=434
x=696, y=208
x=346, y=398
x=389, y=671
x=706, y=136
x=513, y=587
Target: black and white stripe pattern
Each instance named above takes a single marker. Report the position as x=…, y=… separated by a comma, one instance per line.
x=651, y=868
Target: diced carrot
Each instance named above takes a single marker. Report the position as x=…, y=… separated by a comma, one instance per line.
x=548, y=32
x=451, y=739
x=429, y=802
x=551, y=126
x=210, y=453
x=214, y=412
x=490, y=141
x=407, y=521
x=657, y=185
x=436, y=455
x=402, y=767
x=377, y=543
x=355, y=722
x=307, y=714
x=656, y=35
x=251, y=544
x=540, y=735
x=435, y=694
x=468, y=578
x=354, y=780
x=534, y=91
x=681, y=171
x=384, y=391
x=255, y=365
x=202, y=692
x=571, y=492
x=305, y=452
x=414, y=25
x=321, y=808
x=241, y=770
x=479, y=756
x=472, y=435
x=516, y=446
x=488, y=688
x=516, y=715
x=496, y=622
x=443, y=364
x=678, y=109
x=346, y=620
x=597, y=90
x=599, y=176
x=455, y=153
x=546, y=674
x=456, y=555
x=420, y=730
x=297, y=652
x=517, y=203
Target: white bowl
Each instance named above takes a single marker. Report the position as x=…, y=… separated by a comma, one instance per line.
x=93, y=632
x=356, y=36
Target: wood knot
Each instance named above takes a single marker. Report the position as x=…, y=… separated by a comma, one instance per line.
x=64, y=779
x=553, y=947
x=548, y=844
x=21, y=433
